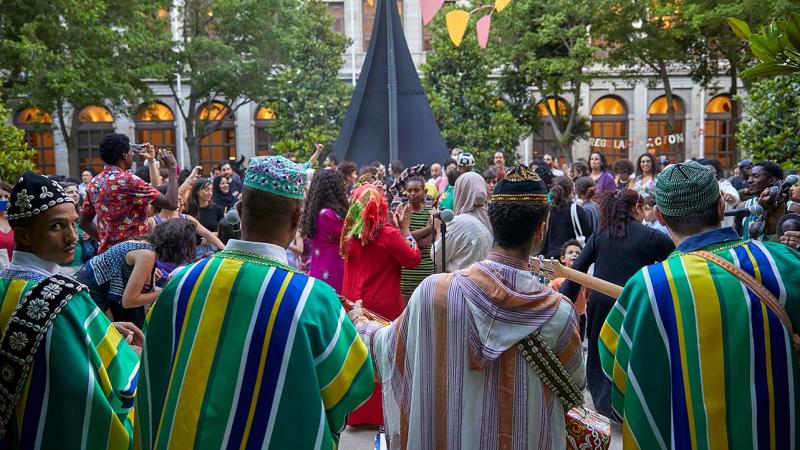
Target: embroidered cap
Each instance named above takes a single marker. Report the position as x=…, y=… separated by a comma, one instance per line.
x=686, y=188
x=465, y=159
x=34, y=194
x=276, y=175
x=521, y=185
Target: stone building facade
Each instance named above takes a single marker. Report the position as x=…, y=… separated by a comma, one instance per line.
x=627, y=115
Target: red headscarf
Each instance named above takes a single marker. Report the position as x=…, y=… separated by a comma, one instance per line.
x=366, y=217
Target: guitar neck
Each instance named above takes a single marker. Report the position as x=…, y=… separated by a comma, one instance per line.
x=596, y=284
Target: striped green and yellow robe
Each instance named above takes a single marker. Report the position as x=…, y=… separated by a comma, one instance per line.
x=696, y=361
x=81, y=388
x=242, y=352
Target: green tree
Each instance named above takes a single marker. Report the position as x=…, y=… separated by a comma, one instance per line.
x=545, y=45
x=62, y=55
x=777, y=46
x=16, y=156
x=309, y=99
x=642, y=36
x=771, y=130
x=227, y=51
x=470, y=112
x=715, y=50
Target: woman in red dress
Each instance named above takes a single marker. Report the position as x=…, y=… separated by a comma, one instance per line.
x=375, y=252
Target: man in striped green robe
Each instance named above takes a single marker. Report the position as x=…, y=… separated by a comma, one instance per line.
x=241, y=351
x=80, y=390
x=695, y=358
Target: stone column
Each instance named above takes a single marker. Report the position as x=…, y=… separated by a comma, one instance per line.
x=638, y=120
x=581, y=149
x=245, y=131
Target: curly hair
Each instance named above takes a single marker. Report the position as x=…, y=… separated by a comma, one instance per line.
x=623, y=166
x=113, y=146
x=327, y=191
x=616, y=209
x=193, y=203
x=514, y=224
x=174, y=241
x=347, y=168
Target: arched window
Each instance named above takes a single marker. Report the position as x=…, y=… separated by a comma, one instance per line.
x=659, y=138
x=94, y=122
x=610, y=128
x=220, y=144
x=719, y=142
x=544, y=139
x=155, y=124
x=38, y=127
x=264, y=117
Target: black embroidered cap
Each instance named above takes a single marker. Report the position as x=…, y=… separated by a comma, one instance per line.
x=34, y=194
x=521, y=185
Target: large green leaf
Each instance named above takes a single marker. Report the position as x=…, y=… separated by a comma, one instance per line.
x=740, y=28
x=762, y=48
x=767, y=69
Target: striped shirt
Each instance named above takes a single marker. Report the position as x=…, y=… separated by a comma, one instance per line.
x=697, y=361
x=243, y=352
x=411, y=278
x=82, y=383
x=449, y=367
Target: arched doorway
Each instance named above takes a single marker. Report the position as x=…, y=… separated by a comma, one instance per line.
x=544, y=140
x=610, y=128
x=263, y=119
x=660, y=141
x=38, y=128
x=155, y=124
x=720, y=142
x=94, y=122
x=220, y=144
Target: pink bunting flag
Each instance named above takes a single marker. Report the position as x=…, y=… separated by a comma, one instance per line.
x=482, y=27
x=429, y=9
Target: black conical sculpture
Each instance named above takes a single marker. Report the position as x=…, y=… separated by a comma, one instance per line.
x=389, y=117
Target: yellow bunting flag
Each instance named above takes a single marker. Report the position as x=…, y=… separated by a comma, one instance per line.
x=500, y=5
x=457, y=21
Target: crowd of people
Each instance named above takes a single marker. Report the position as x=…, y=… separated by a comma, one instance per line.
x=213, y=302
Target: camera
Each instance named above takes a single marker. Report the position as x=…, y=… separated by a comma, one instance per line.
x=138, y=148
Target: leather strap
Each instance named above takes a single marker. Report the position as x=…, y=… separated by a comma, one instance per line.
x=755, y=287
x=545, y=363
x=27, y=327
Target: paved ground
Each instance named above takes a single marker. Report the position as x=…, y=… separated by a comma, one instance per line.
x=363, y=438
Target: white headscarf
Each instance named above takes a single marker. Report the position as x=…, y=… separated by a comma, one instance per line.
x=469, y=197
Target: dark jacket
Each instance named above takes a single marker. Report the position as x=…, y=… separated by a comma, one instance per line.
x=559, y=229
x=616, y=260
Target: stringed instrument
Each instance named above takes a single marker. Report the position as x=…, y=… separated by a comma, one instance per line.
x=554, y=269
x=373, y=316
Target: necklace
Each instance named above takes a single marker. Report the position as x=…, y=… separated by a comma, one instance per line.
x=242, y=255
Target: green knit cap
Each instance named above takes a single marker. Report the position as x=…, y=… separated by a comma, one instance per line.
x=686, y=188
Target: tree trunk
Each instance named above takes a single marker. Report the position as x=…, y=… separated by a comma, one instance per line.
x=192, y=139
x=736, y=113
x=662, y=72
x=69, y=136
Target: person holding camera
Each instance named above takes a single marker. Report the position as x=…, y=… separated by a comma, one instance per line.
x=119, y=198
x=762, y=177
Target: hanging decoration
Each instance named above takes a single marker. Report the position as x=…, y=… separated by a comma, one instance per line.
x=458, y=19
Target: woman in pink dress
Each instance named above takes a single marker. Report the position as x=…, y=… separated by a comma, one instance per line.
x=325, y=209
